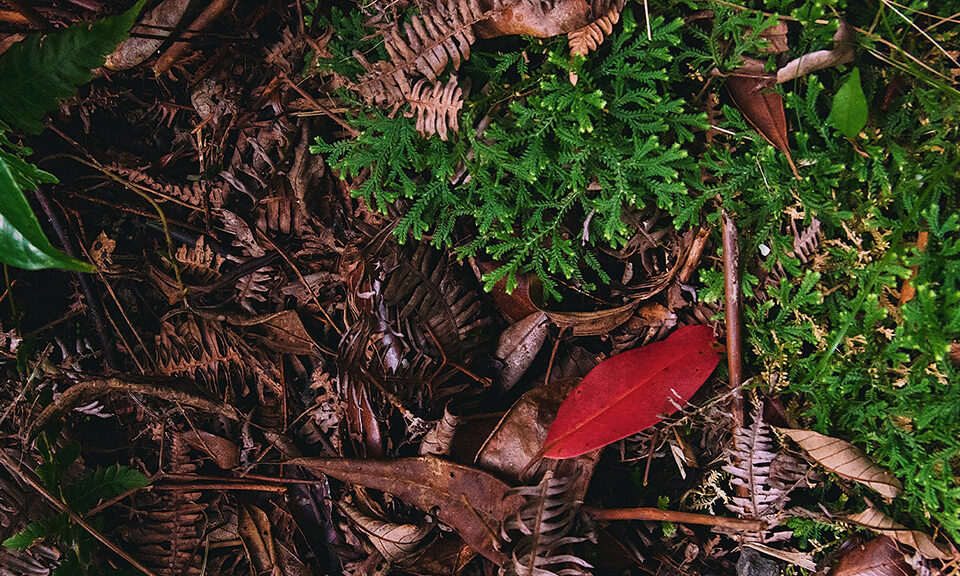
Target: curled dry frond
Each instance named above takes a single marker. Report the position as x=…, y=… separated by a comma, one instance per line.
x=545, y=524
x=436, y=107
x=588, y=38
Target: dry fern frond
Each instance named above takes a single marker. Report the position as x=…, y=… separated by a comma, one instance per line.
x=768, y=477
x=435, y=297
x=195, y=193
x=806, y=242
x=436, y=107
x=440, y=35
x=590, y=37
x=545, y=523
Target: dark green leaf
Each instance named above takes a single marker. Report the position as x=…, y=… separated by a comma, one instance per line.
x=849, y=111
x=42, y=528
x=22, y=241
x=41, y=70
x=103, y=483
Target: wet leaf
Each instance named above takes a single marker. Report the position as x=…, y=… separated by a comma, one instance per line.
x=846, y=460
x=519, y=345
x=848, y=114
x=879, y=522
x=761, y=105
x=629, y=392
x=470, y=501
x=878, y=557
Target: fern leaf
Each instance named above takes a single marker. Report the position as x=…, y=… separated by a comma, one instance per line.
x=436, y=107
x=42, y=528
x=587, y=39
x=103, y=483
x=43, y=69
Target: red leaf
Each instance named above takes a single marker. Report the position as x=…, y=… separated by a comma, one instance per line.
x=627, y=393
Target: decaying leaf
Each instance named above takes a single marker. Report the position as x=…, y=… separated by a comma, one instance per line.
x=762, y=106
x=629, y=392
x=225, y=453
x=156, y=23
x=846, y=460
x=436, y=107
x=593, y=323
x=445, y=557
x=879, y=522
x=588, y=38
x=518, y=304
x=394, y=541
x=256, y=534
x=287, y=335
x=878, y=557
x=472, y=502
x=439, y=439
x=519, y=345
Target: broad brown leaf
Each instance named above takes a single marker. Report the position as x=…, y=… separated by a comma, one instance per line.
x=846, y=460
x=593, y=323
x=762, y=106
x=472, y=502
x=878, y=557
x=225, y=454
x=879, y=522
x=519, y=345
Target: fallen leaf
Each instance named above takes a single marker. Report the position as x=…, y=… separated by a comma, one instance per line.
x=445, y=557
x=440, y=438
x=257, y=537
x=846, y=460
x=629, y=392
x=472, y=502
x=519, y=436
x=593, y=323
x=762, y=106
x=519, y=304
x=225, y=454
x=287, y=335
x=394, y=541
x=519, y=345
x=157, y=22
x=879, y=522
x=878, y=557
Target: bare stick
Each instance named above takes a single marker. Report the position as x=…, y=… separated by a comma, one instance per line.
x=841, y=53
x=674, y=516
x=92, y=389
x=174, y=52
x=30, y=479
x=30, y=13
x=731, y=284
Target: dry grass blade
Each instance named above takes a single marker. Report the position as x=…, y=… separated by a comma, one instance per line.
x=846, y=460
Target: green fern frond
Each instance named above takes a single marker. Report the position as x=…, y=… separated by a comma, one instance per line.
x=103, y=483
x=38, y=530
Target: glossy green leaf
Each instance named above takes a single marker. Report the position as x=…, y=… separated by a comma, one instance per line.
x=849, y=111
x=22, y=241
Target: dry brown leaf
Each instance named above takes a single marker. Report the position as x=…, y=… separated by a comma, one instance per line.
x=394, y=541
x=593, y=323
x=878, y=557
x=536, y=19
x=157, y=22
x=256, y=534
x=519, y=304
x=287, y=334
x=879, y=522
x=444, y=557
x=472, y=502
x=519, y=345
x=440, y=438
x=225, y=453
x=762, y=106
x=846, y=460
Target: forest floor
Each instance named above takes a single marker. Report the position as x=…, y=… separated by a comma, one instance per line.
x=655, y=287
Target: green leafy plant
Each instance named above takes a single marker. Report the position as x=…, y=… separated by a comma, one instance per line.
x=37, y=73
x=558, y=165
x=78, y=546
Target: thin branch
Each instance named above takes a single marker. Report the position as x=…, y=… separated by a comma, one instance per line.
x=175, y=52
x=674, y=516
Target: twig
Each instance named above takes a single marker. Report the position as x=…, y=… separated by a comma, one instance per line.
x=674, y=516
x=174, y=52
x=94, y=306
x=30, y=479
x=731, y=284
x=841, y=53
x=93, y=389
x=313, y=101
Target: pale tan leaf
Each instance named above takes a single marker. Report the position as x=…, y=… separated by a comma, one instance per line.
x=436, y=107
x=519, y=345
x=394, y=541
x=157, y=24
x=439, y=439
x=256, y=534
x=846, y=460
x=879, y=522
x=225, y=453
x=593, y=323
